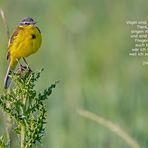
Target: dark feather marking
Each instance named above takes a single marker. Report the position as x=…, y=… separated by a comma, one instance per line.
x=38, y=29
x=33, y=36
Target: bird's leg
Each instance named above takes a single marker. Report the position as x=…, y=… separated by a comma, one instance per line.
x=21, y=67
x=25, y=61
x=27, y=64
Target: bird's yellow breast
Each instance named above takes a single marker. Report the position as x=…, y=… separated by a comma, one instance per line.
x=26, y=42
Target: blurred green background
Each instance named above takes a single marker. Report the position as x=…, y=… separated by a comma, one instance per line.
x=85, y=46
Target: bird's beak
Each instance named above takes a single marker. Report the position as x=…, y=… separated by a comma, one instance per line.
x=34, y=22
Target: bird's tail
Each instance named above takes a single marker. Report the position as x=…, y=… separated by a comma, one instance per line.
x=7, y=80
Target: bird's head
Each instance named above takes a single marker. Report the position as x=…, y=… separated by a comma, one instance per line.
x=27, y=21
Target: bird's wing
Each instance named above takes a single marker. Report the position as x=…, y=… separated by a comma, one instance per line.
x=11, y=40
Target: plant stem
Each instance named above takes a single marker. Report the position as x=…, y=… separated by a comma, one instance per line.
x=23, y=128
x=23, y=131
x=9, y=129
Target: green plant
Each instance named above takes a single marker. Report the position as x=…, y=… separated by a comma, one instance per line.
x=26, y=108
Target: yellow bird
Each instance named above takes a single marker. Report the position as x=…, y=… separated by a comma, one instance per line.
x=25, y=41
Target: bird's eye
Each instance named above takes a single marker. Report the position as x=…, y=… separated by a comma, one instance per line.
x=27, y=23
